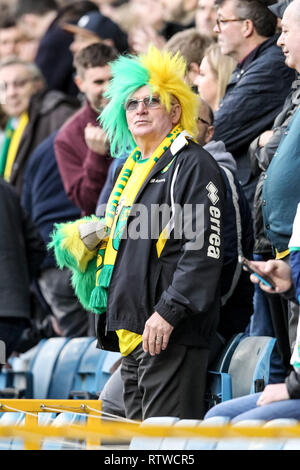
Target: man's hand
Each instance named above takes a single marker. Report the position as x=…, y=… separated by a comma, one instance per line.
x=273, y=392
x=278, y=271
x=96, y=139
x=156, y=334
x=264, y=138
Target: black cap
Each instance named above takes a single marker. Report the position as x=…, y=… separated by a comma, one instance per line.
x=102, y=26
x=279, y=7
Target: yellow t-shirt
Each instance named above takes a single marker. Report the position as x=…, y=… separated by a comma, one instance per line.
x=14, y=145
x=128, y=340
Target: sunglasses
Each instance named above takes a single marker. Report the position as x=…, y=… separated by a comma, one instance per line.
x=150, y=102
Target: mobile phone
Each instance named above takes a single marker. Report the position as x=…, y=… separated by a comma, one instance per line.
x=249, y=267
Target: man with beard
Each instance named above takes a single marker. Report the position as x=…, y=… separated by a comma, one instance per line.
x=81, y=148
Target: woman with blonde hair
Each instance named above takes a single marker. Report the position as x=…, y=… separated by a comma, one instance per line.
x=214, y=75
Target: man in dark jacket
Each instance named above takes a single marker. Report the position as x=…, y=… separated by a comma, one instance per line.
x=34, y=114
x=271, y=311
x=156, y=281
x=45, y=200
x=22, y=251
x=81, y=146
x=259, y=84
x=282, y=230
x=53, y=57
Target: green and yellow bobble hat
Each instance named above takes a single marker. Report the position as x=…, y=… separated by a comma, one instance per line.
x=164, y=73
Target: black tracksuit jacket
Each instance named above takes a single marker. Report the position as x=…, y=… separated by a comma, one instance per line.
x=180, y=282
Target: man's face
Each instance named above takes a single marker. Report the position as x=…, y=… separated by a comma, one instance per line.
x=10, y=39
x=147, y=123
x=93, y=84
x=289, y=40
x=229, y=33
x=31, y=25
x=148, y=11
x=206, y=16
x=205, y=128
x=17, y=87
x=172, y=10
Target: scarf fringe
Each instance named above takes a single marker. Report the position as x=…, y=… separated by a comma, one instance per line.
x=98, y=299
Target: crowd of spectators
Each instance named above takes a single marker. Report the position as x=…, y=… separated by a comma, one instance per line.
x=56, y=166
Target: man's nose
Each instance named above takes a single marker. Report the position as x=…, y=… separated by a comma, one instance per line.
x=141, y=108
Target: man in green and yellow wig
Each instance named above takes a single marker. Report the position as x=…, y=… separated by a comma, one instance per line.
x=156, y=291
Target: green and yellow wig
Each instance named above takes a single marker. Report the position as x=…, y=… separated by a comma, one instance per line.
x=164, y=73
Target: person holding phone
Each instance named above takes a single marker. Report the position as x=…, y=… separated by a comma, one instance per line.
x=283, y=399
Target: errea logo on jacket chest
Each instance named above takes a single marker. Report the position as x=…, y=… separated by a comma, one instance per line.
x=213, y=250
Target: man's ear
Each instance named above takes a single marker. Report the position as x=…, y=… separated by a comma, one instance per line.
x=176, y=113
x=79, y=82
x=209, y=134
x=248, y=28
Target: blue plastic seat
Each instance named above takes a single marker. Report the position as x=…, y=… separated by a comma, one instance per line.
x=250, y=365
x=179, y=443
x=9, y=419
x=218, y=386
x=222, y=362
x=194, y=443
x=17, y=382
x=66, y=366
x=273, y=444
x=64, y=419
x=247, y=371
x=239, y=443
x=93, y=371
x=44, y=365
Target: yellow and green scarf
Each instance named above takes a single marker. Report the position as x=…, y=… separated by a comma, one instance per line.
x=11, y=144
x=116, y=216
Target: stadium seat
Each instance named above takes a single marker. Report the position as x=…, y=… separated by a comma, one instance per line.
x=239, y=443
x=218, y=386
x=63, y=419
x=148, y=443
x=291, y=444
x=273, y=444
x=222, y=362
x=93, y=372
x=66, y=367
x=246, y=372
x=250, y=365
x=9, y=419
x=17, y=382
x=44, y=365
x=193, y=443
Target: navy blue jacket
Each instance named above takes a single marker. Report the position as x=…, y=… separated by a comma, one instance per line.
x=43, y=194
x=22, y=251
x=254, y=97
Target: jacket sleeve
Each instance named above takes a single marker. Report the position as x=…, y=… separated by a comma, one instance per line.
x=35, y=246
x=83, y=175
x=199, y=190
x=250, y=106
x=293, y=384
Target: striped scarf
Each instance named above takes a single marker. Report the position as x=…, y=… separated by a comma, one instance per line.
x=11, y=144
x=116, y=216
